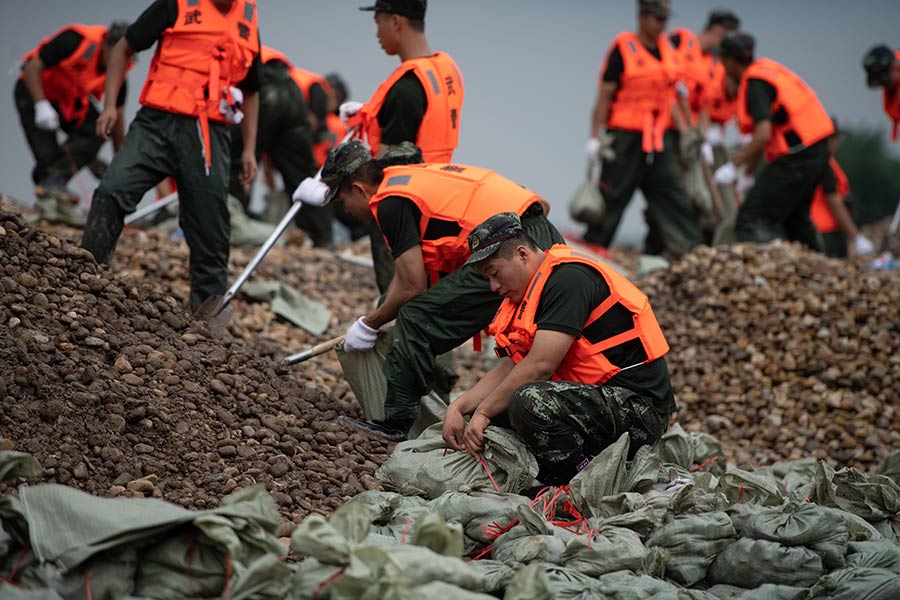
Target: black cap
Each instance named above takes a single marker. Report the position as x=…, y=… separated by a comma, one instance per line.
x=338, y=85
x=660, y=8
x=486, y=238
x=739, y=46
x=411, y=9
x=878, y=62
x=115, y=32
x=723, y=17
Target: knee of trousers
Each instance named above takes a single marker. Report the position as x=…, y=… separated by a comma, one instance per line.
x=530, y=406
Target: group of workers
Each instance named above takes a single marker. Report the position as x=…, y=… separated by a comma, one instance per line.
x=457, y=248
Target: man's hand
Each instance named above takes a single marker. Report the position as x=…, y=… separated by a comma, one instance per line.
x=863, y=245
x=473, y=438
x=715, y=136
x=600, y=147
x=106, y=122
x=311, y=191
x=248, y=166
x=727, y=174
x=454, y=428
x=348, y=109
x=744, y=184
x=45, y=116
x=360, y=337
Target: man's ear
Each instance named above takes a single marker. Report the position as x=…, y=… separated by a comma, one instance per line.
x=522, y=253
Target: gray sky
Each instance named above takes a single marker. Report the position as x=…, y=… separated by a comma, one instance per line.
x=530, y=67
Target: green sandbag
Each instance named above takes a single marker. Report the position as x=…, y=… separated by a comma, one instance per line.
x=751, y=563
x=425, y=467
x=312, y=580
x=870, y=496
x=9, y=591
x=533, y=540
x=793, y=475
x=874, y=555
x=446, y=591
x=496, y=574
x=623, y=585
x=18, y=464
x=890, y=466
x=691, y=450
x=433, y=532
x=747, y=487
x=766, y=591
x=692, y=543
x=796, y=524
x=604, y=551
x=480, y=513
x=604, y=476
x=549, y=582
x=857, y=583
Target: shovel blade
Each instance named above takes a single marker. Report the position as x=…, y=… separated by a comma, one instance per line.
x=215, y=312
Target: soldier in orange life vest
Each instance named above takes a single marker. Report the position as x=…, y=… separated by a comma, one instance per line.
x=829, y=212
x=421, y=102
x=791, y=128
x=582, y=355
x=632, y=131
x=206, y=62
x=882, y=67
x=424, y=212
x=59, y=82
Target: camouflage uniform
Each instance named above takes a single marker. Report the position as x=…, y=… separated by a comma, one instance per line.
x=564, y=423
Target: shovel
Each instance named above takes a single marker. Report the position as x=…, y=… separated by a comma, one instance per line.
x=314, y=351
x=216, y=310
x=151, y=208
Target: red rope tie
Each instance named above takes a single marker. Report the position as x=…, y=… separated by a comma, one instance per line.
x=405, y=529
x=328, y=581
x=740, y=497
x=15, y=567
x=87, y=586
x=480, y=459
x=705, y=464
x=227, y=577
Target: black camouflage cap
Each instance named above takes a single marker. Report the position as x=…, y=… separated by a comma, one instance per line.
x=739, y=46
x=660, y=8
x=342, y=162
x=878, y=62
x=411, y=9
x=487, y=237
x=723, y=17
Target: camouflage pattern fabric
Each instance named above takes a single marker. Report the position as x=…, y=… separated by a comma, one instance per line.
x=565, y=422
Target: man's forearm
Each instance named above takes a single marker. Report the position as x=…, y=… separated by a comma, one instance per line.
x=523, y=373
x=119, y=129
x=32, y=73
x=751, y=152
x=115, y=72
x=251, y=120
x=842, y=215
x=601, y=110
x=399, y=292
x=468, y=402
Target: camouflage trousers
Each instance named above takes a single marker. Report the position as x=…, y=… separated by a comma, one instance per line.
x=565, y=423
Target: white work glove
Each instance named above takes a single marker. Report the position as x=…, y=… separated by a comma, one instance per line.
x=360, y=337
x=600, y=147
x=715, y=136
x=863, y=245
x=727, y=174
x=311, y=191
x=348, y=109
x=744, y=183
x=706, y=151
x=232, y=112
x=45, y=116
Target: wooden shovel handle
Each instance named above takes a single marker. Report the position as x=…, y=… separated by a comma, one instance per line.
x=316, y=350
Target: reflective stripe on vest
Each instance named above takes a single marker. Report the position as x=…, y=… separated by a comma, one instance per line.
x=199, y=58
x=721, y=107
x=892, y=105
x=819, y=211
x=438, y=134
x=514, y=327
x=646, y=93
x=453, y=199
x=807, y=122
x=69, y=83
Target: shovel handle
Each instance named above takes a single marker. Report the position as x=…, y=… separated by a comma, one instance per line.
x=316, y=350
x=151, y=208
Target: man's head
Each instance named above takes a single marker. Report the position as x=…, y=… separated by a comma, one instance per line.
x=395, y=19
x=339, y=87
x=115, y=33
x=652, y=17
x=505, y=255
x=737, y=52
x=882, y=68
x=719, y=22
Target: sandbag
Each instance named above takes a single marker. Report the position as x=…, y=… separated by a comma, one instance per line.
x=796, y=524
x=426, y=467
x=874, y=555
x=587, y=205
x=433, y=532
x=519, y=546
x=793, y=475
x=623, y=585
x=890, y=466
x=746, y=487
x=604, y=551
x=693, y=542
x=446, y=591
x=549, y=582
x=766, y=591
x=857, y=583
x=870, y=496
x=495, y=574
x=481, y=513
x=18, y=464
x=604, y=476
x=691, y=450
x=751, y=563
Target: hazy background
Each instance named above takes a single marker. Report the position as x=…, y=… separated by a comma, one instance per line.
x=530, y=68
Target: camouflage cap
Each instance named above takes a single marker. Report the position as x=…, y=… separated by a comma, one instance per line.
x=739, y=46
x=342, y=162
x=487, y=237
x=878, y=62
x=660, y=8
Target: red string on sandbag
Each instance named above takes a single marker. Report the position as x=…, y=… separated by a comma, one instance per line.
x=87, y=586
x=328, y=581
x=227, y=577
x=487, y=470
x=705, y=464
x=405, y=530
x=740, y=497
x=12, y=572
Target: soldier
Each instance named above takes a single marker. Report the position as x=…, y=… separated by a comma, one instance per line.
x=883, y=70
x=582, y=355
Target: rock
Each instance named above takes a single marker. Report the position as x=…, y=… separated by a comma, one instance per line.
x=142, y=486
x=27, y=279
x=122, y=365
x=93, y=342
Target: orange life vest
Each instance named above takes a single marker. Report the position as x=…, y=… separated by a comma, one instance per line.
x=514, y=327
x=268, y=54
x=438, y=134
x=460, y=194
x=694, y=69
x=721, y=107
x=646, y=91
x=331, y=137
x=892, y=105
x=306, y=79
x=78, y=76
x=819, y=212
x=200, y=58
x=806, y=117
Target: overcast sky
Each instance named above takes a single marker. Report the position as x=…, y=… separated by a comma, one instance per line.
x=530, y=67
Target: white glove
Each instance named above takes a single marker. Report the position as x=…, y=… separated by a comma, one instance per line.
x=592, y=149
x=348, y=109
x=744, y=184
x=715, y=136
x=600, y=147
x=311, y=191
x=360, y=337
x=706, y=151
x=726, y=174
x=232, y=111
x=746, y=138
x=45, y=116
x=863, y=245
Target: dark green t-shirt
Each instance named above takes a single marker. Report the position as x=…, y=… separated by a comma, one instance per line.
x=571, y=293
x=403, y=110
